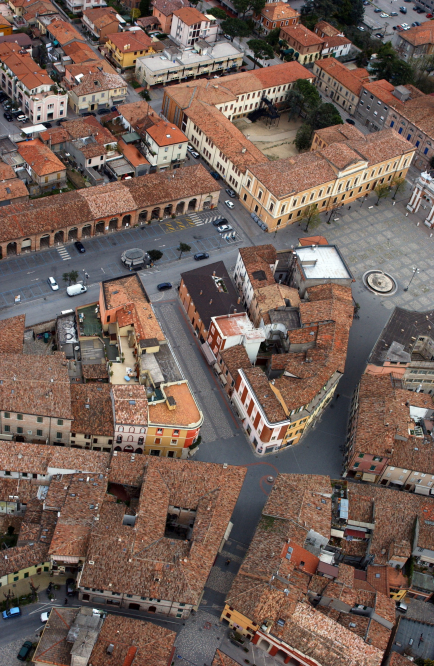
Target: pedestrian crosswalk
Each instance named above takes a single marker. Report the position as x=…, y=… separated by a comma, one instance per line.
x=63, y=253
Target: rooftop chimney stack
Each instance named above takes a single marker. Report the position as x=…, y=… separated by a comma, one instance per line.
x=210, y=302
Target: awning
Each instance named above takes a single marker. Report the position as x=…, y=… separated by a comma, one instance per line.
x=68, y=559
x=207, y=352
x=130, y=137
x=223, y=380
x=368, y=477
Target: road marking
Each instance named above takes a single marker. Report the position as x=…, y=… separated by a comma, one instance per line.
x=63, y=253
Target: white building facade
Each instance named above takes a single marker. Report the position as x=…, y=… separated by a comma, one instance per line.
x=423, y=195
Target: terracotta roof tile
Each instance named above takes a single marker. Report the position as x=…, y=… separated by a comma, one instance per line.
x=419, y=35
x=129, y=41
x=23, y=66
x=186, y=413
x=127, y=469
x=167, y=7
x=143, y=561
x=189, y=15
x=134, y=642
x=301, y=35
x=53, y=647
x=351, y=79
x=64, y=32
x=97, y=82
x=92, y=409
x=12, y=334
x=235, y=358
x=130, y=404
x=278, y=11
x=40, y=158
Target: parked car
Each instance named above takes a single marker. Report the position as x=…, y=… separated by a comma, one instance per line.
x=223, y=228
x=22, y=118
x=419, y=10
x=219, y=221
x=60, y=121
x=350, y=121
x=194, y=154
x=384, y=15
x=103, y=112
x=379, y=35
x=401, y=606
x=113, y=109
x=377, y=10
x=89, y=113
x=415, y=24
x=164, y=286
x=80, y=247
x=76, y=289
x=201, y=255
x=12, y=612
x=393, y=13
x=8, y=117
x=228, y=37
x=70, y=586
x=215, y=175
x=53, y=284
x=229, y=204
x=44, y=617
x=25, y=651
x=429, y=15
x=361, y=28
x=190, y=148
x=230, y=192
x=403, y=10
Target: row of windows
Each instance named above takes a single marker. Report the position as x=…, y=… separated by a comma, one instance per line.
x=39, y=419
x=20, y=431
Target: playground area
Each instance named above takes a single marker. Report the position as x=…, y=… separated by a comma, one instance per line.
x=274, y=140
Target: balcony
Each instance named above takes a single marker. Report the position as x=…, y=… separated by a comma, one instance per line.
x=124, y=370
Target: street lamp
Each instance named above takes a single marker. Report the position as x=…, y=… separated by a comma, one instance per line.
x=415, y=271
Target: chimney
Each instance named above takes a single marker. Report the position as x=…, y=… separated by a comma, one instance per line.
x=239, y=300
x=201, y=292
x=235, y=312
x=210, y=302
x=213, y=273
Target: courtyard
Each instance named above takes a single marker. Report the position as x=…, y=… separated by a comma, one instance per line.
x=275, y=141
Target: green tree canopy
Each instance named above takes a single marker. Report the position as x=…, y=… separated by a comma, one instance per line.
x=324, y=115
x=183, y=247
x=261, y=50
x=235, y=27
x=145, y=8
x=347, y=12
x=273, y=37
x=303, y=138
x=388, y=66
x=218, y=13
x=382, y=191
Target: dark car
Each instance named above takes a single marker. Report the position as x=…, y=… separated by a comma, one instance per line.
x=231, y=193
x=113, y=109
x=48, y=125
x=221, y=220
x=403, y=10
x=25, y=651
x=59, y=122
x=70, y=586
x=103, y=112
x=164, y=286
x=201, y=255
x=8, y=117
x=377, y=10
x=393, y=13
x=350, y=121
x=89, y=113
x=80, y=247
x=415, y=24
x=215, y=175
x=379, y=35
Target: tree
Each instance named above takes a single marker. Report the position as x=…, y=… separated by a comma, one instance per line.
x=8, y=596
x=311, y=96
x=261, y=50
x=183, y=247
x=145, y=8
x=295, y=103
x=235, y=27
x=347, y=12
x=388, y=66
x=155, y=255
x=311, y=216
x=218, y=13
x=382, y=190
x=398, y=185
x=70, y=277
x=273, y=37
x=243, y=6
x=135, y=13
x=303, y=138
x=33, y=589
x=324, y=115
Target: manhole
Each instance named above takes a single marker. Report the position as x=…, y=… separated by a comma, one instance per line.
x=379, y=282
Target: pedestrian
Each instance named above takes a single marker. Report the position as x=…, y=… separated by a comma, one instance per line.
x=66, y=601
x=337, y=395
x=227, y=562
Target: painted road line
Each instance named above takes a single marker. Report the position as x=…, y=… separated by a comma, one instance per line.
x=63, y=253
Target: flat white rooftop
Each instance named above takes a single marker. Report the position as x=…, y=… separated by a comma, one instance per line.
x=162, y=62
x=322, y=262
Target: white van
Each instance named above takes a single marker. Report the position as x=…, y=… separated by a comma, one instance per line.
x=76, y=289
